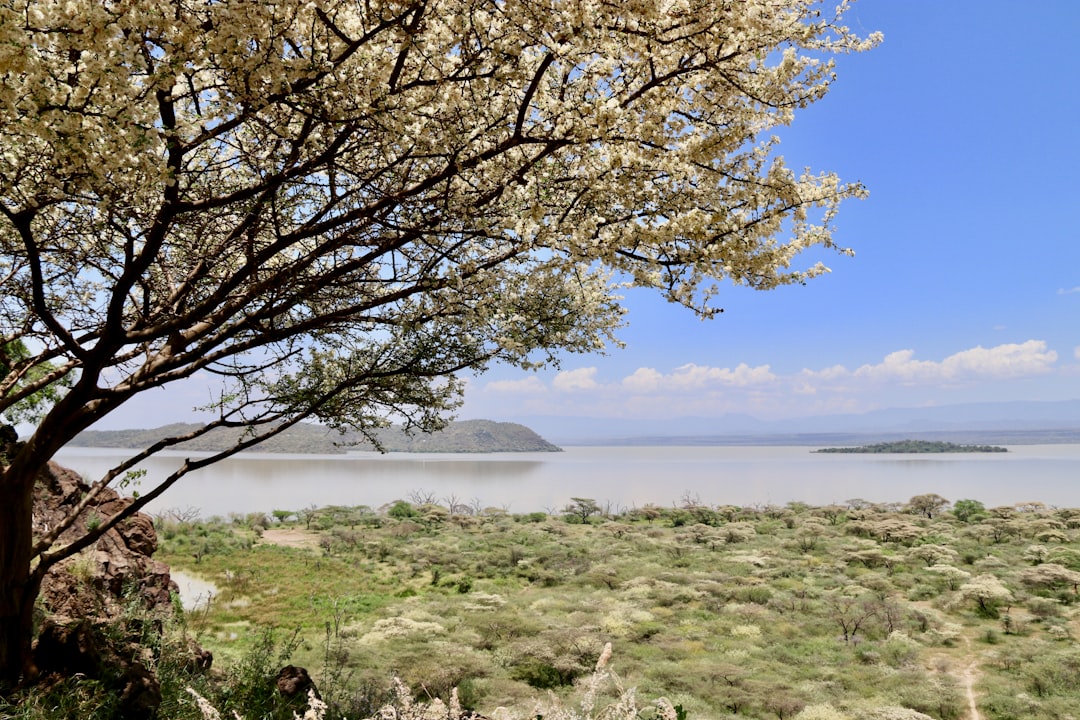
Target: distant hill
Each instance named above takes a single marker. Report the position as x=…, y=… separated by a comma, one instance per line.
x=464, y=436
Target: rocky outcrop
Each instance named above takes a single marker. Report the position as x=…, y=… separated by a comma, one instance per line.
x=119, y=566
x=101, y=604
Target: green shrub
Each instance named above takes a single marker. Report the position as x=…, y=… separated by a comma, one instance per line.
x=542, y=675
x=251, y=691
x=521, y=596
x=402, y=510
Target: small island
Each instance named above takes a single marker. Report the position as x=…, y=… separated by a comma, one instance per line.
x=915, y=446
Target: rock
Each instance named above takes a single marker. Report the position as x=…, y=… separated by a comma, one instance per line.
x=199, y=659
x=67, y=649
x=118, y=566
x=293, y=681
x=141, y=694
x=88, y=628
x=77, y=647
x=139, y=535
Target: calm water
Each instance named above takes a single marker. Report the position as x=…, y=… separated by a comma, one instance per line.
x=623, y=476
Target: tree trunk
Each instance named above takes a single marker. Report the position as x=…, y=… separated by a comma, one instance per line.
x=18, y=590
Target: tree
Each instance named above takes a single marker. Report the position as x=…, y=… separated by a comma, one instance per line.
x=14, y=354
x=928, y=505
x=582, y=508
x=932, y=554
x=968, y=510
x=849, y=612
x=987, y=592
x=282, y=515
x=402, y=510
x=334, y=208
x=953, y=576
x=1051, y=575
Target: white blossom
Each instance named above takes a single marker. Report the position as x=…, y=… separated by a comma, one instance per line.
x=337, y=206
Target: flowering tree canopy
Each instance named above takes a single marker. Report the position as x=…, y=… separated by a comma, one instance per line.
x=335, y=206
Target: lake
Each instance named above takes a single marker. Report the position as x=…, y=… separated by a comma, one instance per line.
x=625, y=477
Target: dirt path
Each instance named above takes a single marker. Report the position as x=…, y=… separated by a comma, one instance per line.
x=951, y=661
x=968, y=679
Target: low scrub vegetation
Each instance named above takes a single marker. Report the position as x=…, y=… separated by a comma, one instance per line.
x=856, y=610
x=762, y=612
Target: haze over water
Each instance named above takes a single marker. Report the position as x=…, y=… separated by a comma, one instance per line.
x=625, y=477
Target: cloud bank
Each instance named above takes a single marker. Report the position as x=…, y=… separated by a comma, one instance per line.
x=900, y=377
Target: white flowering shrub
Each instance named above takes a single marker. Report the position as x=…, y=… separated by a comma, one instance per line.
x=821, y=712
x=400, y=627
x=987, y=591
x=749, y=632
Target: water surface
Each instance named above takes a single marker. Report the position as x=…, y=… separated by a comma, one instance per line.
x=623, y=477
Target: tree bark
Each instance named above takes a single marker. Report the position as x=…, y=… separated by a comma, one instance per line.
x=18, y=587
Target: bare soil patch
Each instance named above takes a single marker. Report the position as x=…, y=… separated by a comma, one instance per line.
x=290, y=537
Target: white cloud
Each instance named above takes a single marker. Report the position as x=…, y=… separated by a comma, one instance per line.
x=1069, y=291
x=899, y=378
x=531, y=385
x=834, y=372
x=693, y=378
x=582, y=379
x=1004, y=361
x=1010, y=360
x=696, y=377
x=647, y=380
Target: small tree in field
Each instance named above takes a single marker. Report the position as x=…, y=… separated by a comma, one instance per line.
x=928, y=505
x=968, y=510
x=582, y=508
x=987, y=592
x=335, y=207
x=850, y=612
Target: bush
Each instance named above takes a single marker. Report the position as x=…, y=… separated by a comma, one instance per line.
x=252, y=691
x=402, y=510
x=1043, y=608
x=757, y=594
x=535, y=592
x=542, y=675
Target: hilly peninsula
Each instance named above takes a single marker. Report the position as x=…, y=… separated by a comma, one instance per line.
x=915, y=446
x=463, y=436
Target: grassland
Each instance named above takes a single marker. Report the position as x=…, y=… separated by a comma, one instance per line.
x=860, y=610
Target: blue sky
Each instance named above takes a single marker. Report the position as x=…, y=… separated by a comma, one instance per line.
x=965, y=287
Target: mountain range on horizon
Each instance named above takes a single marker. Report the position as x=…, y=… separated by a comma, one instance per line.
x=1020, y=423
x=1035, y=419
